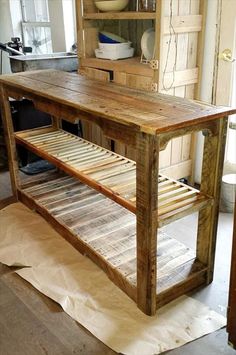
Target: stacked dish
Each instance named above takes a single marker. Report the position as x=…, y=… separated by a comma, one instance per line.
x=113, y=47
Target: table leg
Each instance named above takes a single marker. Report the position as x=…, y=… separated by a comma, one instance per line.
x=56, y=122
x=212, y=167
x=147, y=186
x=10, y=140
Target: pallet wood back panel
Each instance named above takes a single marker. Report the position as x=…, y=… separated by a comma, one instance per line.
x=180, y=53
x=178, y=23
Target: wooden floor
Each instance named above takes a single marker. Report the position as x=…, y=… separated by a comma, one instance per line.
x=32, y=324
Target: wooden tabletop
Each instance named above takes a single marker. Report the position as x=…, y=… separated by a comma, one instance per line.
x=146, y=112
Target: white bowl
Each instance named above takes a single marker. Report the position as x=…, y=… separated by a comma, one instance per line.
x=111, y=46
x=115, y=53
x=111, y=5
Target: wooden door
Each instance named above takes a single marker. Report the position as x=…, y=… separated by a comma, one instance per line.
x=227, y=38
x=225, y=85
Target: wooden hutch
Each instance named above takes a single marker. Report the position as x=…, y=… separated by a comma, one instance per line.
x=175, y=68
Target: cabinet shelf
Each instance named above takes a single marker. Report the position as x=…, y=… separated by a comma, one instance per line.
x=129, y=65
x=125, y=15
x=109, y=173
x=106, y=232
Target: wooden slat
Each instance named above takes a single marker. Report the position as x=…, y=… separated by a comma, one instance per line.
x=107, y=233
x=108, y=172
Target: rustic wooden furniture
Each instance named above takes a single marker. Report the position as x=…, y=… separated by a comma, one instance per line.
x=174, y=21
x=175, y=68
x=231, y=323
x=152, y=269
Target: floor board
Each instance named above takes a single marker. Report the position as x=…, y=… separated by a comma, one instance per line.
x=31, y=323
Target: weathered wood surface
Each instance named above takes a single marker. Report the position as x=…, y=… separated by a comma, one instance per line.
x=147, y=207
x=212, y=167
x=10, y=140
x=144, y=112
x=110, y=173
x=106, y=233
x=181, y=24
x=142, y=119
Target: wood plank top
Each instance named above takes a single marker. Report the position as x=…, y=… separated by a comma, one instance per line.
x=151, y=113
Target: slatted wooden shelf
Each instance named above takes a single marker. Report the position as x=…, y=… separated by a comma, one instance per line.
x=109, y=173
x=106, y=232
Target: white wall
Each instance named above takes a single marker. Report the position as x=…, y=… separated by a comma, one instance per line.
x=6, y=31
x=55, y=8
x=16, y=17
x=69, y=23
x=62, y=24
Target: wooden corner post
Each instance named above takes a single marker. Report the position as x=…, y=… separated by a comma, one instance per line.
x=212, y=167
x=10, y=140
x=146, y=203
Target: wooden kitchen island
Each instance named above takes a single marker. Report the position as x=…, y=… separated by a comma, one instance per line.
x=109, y=207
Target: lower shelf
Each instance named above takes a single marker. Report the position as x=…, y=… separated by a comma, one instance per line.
x=106, y=232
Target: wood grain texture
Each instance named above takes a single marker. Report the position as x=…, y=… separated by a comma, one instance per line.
x=108, y=172
x=106, y=233
x=146, y=202
x=145, y=112
x=10, y=141
x=84, y=217
x=213, y=158
x=179, y=22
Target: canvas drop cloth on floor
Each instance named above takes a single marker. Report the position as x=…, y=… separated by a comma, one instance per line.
x=57, y=270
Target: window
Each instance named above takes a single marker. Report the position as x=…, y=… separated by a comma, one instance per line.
x=36, y=27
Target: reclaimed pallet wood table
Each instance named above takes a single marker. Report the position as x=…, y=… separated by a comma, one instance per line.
x=110, y=207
